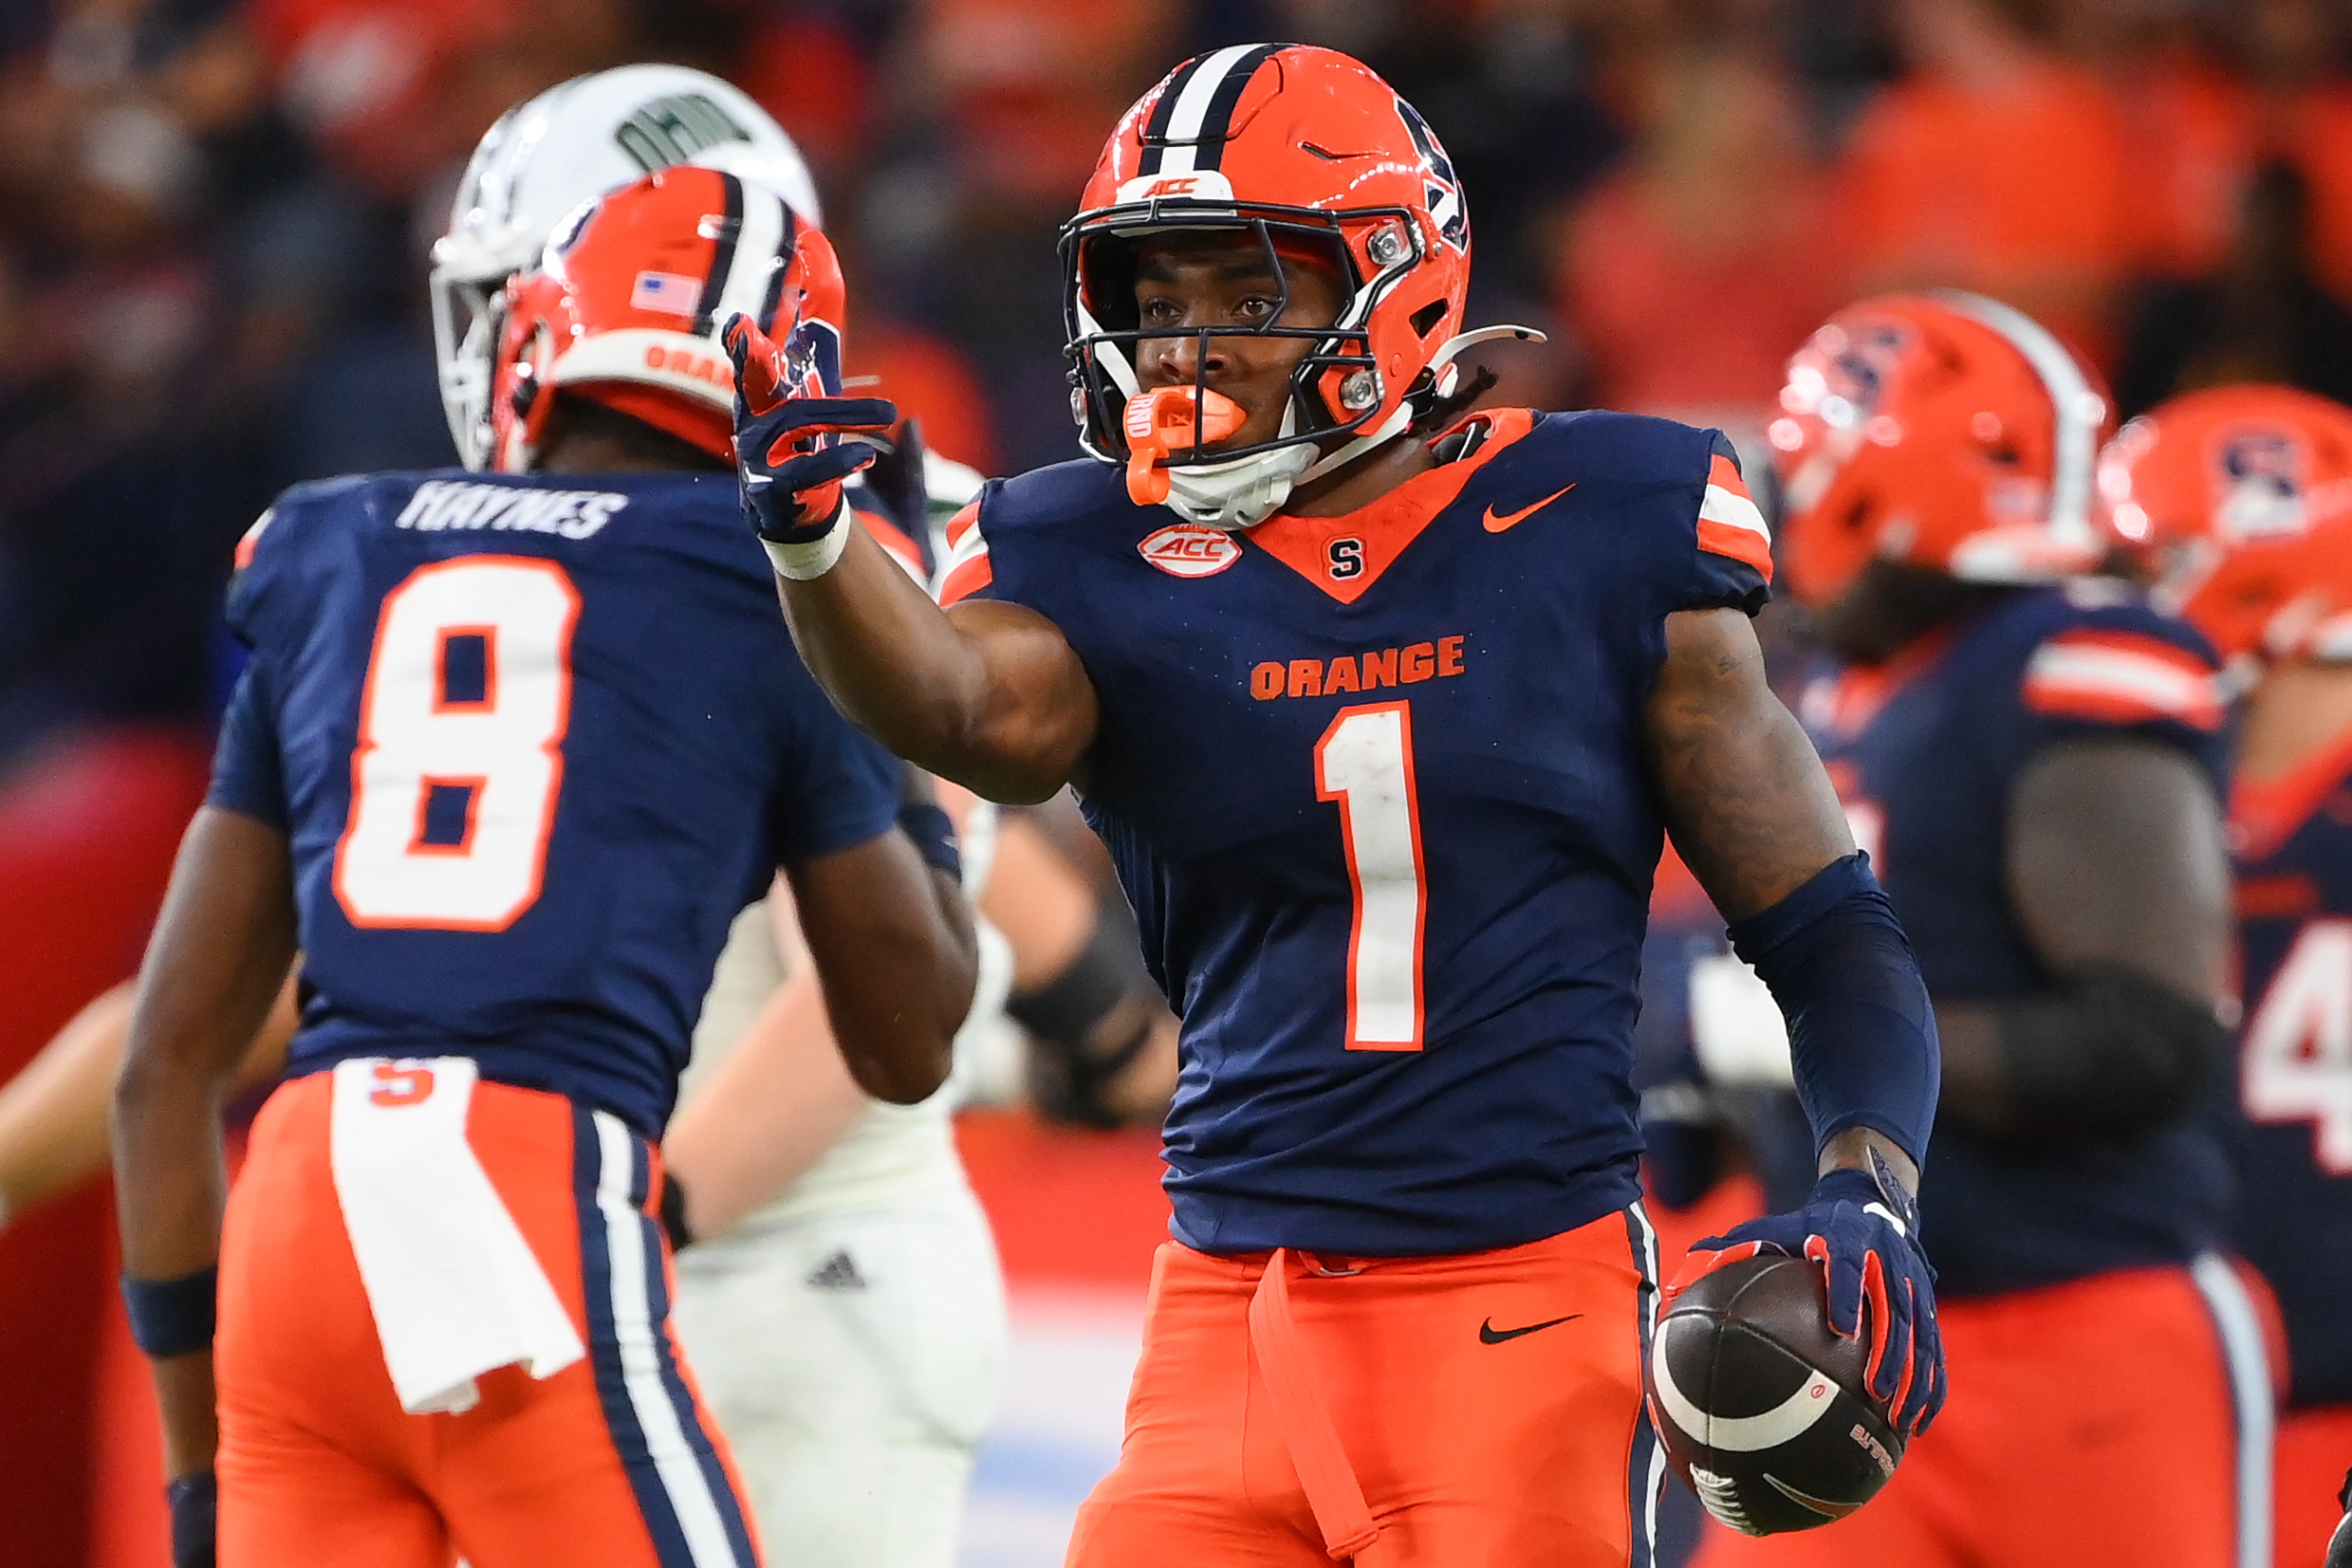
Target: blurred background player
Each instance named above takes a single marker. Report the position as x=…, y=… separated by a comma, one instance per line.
x=2239, y=503
x=1405, y=1103
x=2035, y=759
x=444, y=1291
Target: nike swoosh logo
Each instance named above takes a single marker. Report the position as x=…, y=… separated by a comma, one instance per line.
x=1497, y=524
x=1489, y=1334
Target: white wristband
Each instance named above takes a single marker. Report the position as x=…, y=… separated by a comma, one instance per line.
x=813, y=557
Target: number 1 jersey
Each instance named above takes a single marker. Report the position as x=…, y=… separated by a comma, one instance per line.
x=533, y=742
x=1374, y=786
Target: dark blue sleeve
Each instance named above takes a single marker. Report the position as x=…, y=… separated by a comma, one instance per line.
x=840, y=788
x=246, y=773
x=1862, y=1034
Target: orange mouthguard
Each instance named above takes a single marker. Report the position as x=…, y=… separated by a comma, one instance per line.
x=1159, y=422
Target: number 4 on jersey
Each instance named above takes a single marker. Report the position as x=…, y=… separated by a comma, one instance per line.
x=2297, y=1064
x=453, y=791
x=1364, y=762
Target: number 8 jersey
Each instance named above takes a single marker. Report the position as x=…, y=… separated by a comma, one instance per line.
x=1374, y=786
x=535, y=742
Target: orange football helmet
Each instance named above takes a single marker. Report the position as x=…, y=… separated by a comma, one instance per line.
x=1947, y=431
x=622, y=307
x=1314, y=154
x=2237, y=501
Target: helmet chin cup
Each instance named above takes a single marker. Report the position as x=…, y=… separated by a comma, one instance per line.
x=1238, y=494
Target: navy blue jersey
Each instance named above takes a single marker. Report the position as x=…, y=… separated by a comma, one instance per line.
x=2293, y=1215
x=1374, y=786
x=1925, y=754
x=535, y=742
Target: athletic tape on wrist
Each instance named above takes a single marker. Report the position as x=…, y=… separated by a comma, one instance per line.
x=172, y=1317
x=814, y=556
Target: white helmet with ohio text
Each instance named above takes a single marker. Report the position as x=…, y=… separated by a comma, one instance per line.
x=543, y=158
x=1319, y=158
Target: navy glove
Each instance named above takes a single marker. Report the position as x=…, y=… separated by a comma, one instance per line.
x=194, y=1501
x=791, y=473
x=897, y=482
x=1862, y=1228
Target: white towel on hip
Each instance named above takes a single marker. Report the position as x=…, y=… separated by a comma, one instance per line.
x=455, y=1288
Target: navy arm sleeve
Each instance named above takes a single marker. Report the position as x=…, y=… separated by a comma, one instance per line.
x=1861, y=1035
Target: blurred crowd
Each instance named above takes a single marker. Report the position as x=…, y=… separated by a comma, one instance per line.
x=215, y=217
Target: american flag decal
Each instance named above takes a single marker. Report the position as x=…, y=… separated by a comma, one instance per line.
x=668, y=292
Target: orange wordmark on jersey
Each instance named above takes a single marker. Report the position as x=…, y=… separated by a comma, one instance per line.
x=2120, y=677
x=967, y=570
x=1728, y=523
x=1312, y=678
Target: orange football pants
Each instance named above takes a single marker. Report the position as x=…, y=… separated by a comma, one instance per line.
x=607, y=1464
x=1484, y=1409
x=2315, y=1449
x=2122, y=1418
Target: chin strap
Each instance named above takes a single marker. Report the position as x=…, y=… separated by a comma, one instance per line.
x=1442, y=374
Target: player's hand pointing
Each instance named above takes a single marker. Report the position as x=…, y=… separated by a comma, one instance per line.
x=789, y=453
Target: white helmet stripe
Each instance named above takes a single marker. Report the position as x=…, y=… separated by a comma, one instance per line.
x=756, y=262
x=2080, y=411
x=1192, y=106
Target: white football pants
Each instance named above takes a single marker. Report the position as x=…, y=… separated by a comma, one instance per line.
x=854, y=1359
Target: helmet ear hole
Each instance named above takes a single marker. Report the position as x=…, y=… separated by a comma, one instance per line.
x=1858, y=515
x=1426, y=319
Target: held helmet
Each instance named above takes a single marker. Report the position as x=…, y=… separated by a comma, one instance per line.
x=541, y=160
x=1947, y=431
x=622, y=307
x=2237, y=503
x=1315, y=156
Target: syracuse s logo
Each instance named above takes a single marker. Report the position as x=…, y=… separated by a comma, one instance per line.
x=1188, y=550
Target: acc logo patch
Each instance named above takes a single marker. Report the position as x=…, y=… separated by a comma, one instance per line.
x=1188, y=550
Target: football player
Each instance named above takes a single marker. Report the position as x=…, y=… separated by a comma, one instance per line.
x=477, y=773
x=2034, y=757
x=1382, y=728
x=831, y=1393
x=2238, y=500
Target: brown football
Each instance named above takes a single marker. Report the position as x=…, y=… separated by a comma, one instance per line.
x=1761, y=1409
